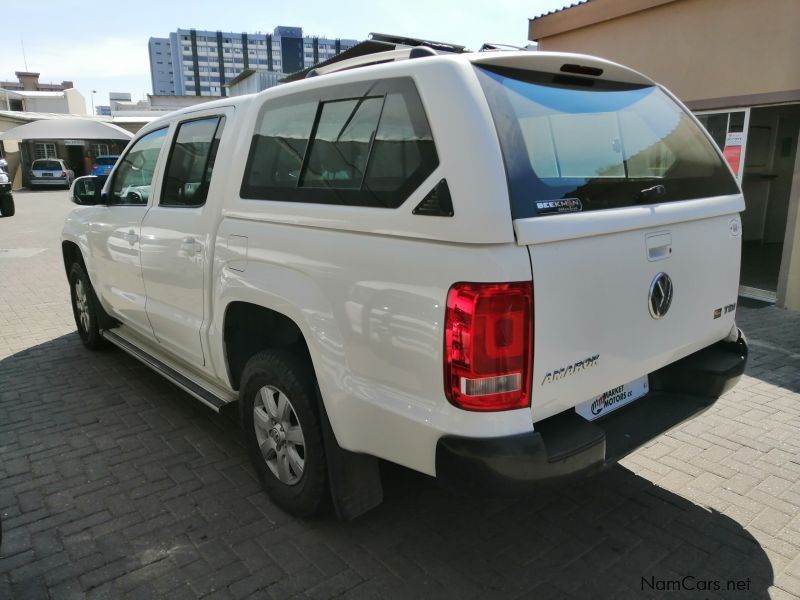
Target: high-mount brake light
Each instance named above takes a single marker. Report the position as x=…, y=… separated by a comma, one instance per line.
x=488, y=345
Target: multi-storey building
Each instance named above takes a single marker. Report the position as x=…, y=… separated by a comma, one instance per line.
x=200, y=63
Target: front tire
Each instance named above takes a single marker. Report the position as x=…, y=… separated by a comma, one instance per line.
x=84, y=307
x=282, y=430
x=7, y=205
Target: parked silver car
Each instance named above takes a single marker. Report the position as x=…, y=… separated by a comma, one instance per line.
x=50, y=172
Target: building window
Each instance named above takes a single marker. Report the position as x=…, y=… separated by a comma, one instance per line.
x=46, y=150
x=100, y=150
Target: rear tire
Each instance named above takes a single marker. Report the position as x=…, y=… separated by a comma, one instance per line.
x=7, y=208
x=282, y=430
x=85, y=307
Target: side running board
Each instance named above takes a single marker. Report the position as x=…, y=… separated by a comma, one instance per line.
x=206, y=397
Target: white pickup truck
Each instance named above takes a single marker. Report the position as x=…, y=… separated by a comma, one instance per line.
x=495, y=268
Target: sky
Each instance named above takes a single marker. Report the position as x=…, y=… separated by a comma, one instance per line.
x=102, y=46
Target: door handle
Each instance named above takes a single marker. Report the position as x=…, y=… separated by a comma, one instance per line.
x=190, y=244
x=130, y=237
x=659, y=246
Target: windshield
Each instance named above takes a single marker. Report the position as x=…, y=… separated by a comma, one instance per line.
x=592, y=144
x=107, y=161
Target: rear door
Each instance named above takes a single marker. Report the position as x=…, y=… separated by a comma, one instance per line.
x=630, y=216
x=177, y=235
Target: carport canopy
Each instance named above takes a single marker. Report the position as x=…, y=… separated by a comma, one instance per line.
x=66, y=129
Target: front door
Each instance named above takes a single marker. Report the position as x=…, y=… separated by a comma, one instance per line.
x=114, y=234
x=178, y=237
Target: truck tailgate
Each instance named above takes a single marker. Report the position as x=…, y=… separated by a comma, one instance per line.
x=595, y=328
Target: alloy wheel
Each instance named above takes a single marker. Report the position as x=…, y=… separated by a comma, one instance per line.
x=82, y=304
x=279, y=435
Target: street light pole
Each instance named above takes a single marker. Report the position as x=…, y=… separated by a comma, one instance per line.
x=93, y=93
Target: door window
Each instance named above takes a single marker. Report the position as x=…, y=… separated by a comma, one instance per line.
x=134, y=175
x=191, y=162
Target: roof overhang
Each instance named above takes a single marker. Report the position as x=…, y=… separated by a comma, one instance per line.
x=244, y=74
x=586, y=14
x=68, y=129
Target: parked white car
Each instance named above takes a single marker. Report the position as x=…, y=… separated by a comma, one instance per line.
x=496, y=268
x=47, y=172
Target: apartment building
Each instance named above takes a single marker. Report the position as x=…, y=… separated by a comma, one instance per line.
x=199, y=63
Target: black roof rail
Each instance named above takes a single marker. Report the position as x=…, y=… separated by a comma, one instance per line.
x=376, y=43
x=488, y=46
x=401, y=40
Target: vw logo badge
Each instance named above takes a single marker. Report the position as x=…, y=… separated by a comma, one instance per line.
x=660, y=297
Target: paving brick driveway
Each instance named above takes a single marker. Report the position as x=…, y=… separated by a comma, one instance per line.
x=115, y=484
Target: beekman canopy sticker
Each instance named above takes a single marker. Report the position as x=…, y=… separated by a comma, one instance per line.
x=553, y=207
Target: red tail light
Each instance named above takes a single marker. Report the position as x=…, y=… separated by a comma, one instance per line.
x=488, y=345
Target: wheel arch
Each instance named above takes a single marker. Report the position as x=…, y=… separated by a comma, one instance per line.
x=354, y=478
x=250, y=328
x=71, y=253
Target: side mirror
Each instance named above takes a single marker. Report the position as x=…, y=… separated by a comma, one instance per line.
x=87, y=191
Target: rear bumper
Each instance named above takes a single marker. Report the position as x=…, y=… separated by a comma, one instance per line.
x=565, y=445
x=34, y=181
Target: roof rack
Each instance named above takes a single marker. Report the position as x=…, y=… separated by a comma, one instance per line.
x=409, y=41
x=490, y=46
x=378, y=48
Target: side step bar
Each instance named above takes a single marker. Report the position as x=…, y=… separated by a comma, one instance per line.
x=208, y=398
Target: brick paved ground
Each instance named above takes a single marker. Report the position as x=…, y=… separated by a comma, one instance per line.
x=115, y=484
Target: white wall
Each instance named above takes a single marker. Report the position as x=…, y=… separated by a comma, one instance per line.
x=71, y=101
